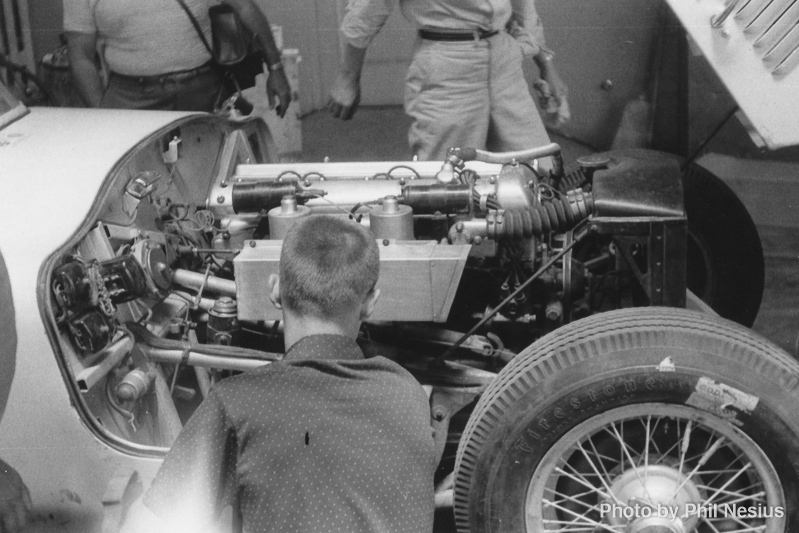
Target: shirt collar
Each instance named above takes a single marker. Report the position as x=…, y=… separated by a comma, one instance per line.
x=324, y=346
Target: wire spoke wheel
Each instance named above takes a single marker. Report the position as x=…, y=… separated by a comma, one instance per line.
x=645, y=420
x=651, y=468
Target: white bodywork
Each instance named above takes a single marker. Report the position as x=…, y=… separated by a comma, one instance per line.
x=739, y=49
x=53, y=163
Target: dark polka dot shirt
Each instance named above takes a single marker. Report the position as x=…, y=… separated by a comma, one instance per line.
x=322, y=441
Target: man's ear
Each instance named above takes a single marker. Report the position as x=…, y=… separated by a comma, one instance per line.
x=368, y=306
x=273, y=282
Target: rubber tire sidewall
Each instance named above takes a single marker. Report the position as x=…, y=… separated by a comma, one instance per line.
x=731, y=242
x=491, y=496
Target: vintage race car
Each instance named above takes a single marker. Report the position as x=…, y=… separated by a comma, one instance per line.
x=565, y=322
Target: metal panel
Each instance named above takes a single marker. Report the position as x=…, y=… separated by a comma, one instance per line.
x=418, y=280
x=754, y=48
x=603, y=51
x=664, y=277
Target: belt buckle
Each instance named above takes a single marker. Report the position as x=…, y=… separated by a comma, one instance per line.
x=476, y=34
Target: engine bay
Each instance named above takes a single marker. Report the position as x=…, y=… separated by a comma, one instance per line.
x=163, y=291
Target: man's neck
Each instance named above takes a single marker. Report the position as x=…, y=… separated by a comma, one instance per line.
x=297, y=327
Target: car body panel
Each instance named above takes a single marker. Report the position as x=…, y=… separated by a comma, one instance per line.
x=736, y=51
x=53, y=164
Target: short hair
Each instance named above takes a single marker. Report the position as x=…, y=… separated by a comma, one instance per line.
x=327, y=265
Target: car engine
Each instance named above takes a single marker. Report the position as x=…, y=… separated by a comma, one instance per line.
x=542, y=309
x=480, y=255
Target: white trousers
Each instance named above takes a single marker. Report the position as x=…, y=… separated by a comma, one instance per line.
x=470, y=94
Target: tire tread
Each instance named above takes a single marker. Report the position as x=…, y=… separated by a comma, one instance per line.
x=593, y=337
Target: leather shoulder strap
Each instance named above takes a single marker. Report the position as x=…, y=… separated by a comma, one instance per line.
x=197, y=27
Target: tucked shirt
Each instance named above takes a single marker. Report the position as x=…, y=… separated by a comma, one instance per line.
x=323, y=440
x=364, y=18
x=145, y=37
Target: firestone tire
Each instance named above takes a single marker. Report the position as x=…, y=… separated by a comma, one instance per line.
x=614, y=408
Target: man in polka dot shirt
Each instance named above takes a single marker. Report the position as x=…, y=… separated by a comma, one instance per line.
x=324, y=440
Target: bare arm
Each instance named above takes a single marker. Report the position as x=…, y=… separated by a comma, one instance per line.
x=363, y=20
x=526, y=27
x=82, y=51
x=277, y=85
x=553, y=94
x=346, y=92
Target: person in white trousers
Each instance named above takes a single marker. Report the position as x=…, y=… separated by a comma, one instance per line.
x=465, y=86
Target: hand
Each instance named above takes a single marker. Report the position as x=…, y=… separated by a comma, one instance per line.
x=278, y=89
x=15, y=501
x=552, y=93
x=344, y=97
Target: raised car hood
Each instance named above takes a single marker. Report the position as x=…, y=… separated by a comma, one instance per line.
x=753, y=45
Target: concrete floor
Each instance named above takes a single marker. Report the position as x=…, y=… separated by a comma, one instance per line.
x=380, y=134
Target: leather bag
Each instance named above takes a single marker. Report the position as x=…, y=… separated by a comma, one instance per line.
x=232, y=47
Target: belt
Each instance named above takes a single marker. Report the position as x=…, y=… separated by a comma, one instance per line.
x=176, y=76
x=474, y=35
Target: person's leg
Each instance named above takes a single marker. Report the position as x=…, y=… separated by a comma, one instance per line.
x=126, y=93
x=515, y=121
x=446, y=95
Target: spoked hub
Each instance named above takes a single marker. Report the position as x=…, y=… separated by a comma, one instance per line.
x=655, y=468
x=658, y=499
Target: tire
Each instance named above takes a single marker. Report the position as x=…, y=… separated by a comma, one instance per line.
x=725, y=264
x=635, y=379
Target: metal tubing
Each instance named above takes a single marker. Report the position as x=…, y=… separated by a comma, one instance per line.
x=474, y=226
x=163, y=355
x=506, y=158
x=206, y=304
x=194, y=280
x=717, y=21
x=114, y=354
